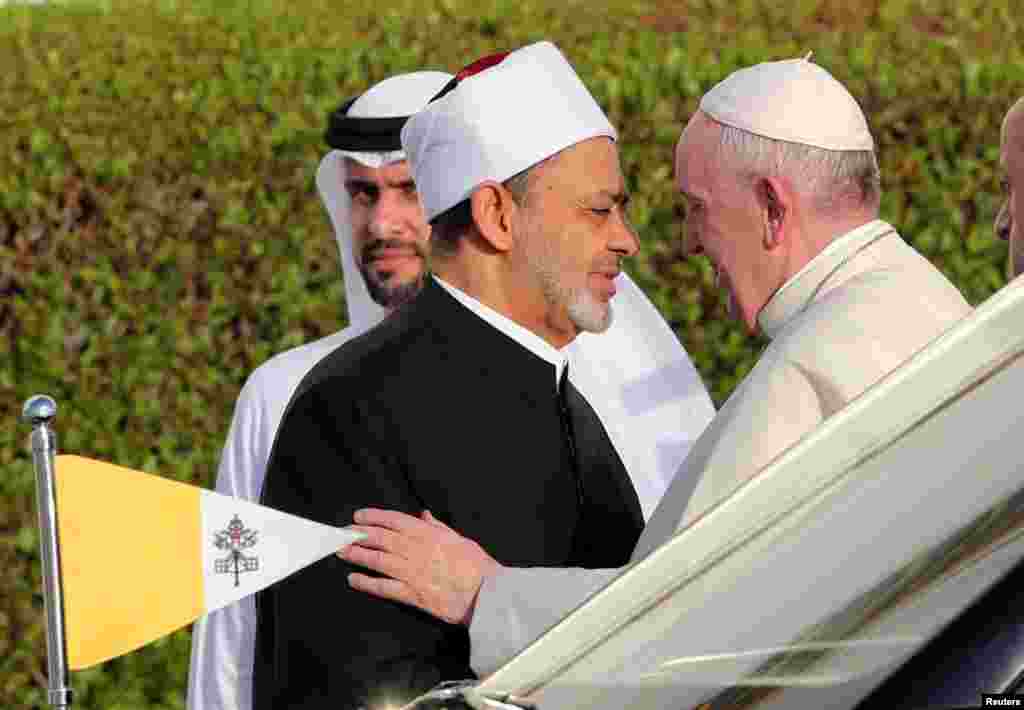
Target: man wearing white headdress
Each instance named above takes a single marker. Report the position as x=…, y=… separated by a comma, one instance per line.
x=382, y=238
x=781, y=181
x=461, y=403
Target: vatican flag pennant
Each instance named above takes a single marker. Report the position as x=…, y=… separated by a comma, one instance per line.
x=141, y=555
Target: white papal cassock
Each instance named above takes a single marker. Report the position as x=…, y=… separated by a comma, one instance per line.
x=853, y=314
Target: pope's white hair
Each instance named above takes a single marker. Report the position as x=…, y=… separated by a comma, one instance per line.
x=832, y=179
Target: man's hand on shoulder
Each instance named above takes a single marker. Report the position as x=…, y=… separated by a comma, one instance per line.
x=428, y=565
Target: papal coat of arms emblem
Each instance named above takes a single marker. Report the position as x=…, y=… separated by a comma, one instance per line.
x=235, y=538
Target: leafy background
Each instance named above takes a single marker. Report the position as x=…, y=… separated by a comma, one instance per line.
x=160, y=233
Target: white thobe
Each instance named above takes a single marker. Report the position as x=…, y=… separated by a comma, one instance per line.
x=853, y=314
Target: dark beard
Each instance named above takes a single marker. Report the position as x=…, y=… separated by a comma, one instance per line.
x=381, y=292
x=390, y=296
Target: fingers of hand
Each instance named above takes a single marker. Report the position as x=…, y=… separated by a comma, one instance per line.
x=391, y=519
x=377, y=560
x=383, y=539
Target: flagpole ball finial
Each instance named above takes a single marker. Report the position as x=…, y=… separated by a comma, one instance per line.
x=39, y=409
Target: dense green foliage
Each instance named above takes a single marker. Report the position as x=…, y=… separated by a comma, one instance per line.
x=160, y=233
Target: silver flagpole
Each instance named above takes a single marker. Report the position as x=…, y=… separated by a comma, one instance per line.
x=39, y=411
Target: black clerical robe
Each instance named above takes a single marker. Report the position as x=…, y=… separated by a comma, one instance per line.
x=433, y=409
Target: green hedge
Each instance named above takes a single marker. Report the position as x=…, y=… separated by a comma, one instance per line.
x=160, y=233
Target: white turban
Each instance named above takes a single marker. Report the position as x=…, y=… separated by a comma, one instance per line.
x=497, y=123
x=793, y=100
x=394, y=98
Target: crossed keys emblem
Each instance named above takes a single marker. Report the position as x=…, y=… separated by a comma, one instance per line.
x=235, y=538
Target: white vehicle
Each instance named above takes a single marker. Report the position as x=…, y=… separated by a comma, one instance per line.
x=872, y=564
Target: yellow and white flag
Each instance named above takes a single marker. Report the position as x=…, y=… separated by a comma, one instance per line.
x=142, y=556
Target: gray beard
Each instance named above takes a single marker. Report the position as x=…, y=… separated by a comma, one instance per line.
x=588, y=313
x=585, y=311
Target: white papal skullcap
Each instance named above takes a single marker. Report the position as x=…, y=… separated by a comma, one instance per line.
x=793, y=100
x=500, y=116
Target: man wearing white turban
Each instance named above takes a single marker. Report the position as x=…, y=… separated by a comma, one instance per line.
x=780, y=176
x=382, y=237
x=461, y=404
x=1010, y=221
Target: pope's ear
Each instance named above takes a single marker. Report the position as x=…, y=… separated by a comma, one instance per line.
x=773, y=199
x=493, y=213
